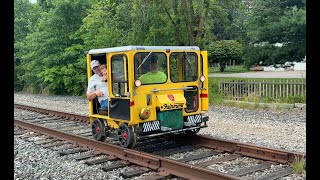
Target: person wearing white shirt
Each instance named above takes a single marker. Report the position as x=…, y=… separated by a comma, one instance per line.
x=96, y=86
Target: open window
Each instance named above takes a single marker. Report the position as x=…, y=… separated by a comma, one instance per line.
x=102, y=59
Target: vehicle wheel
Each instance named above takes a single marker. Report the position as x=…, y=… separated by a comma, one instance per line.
x=98, y=130
x=193, y=131
x=169, y=137
x=127, y=138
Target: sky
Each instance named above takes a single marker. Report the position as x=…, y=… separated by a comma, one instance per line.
x=33, y=1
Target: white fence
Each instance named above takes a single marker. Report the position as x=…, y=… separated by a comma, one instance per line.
x=239, y=90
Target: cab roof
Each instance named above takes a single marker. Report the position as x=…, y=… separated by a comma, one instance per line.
x=128, y=48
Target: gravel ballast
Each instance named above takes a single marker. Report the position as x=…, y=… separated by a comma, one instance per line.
x=282, y=129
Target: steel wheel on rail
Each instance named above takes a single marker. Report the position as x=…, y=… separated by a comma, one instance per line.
x=98, y=130
x=192, y=132
x=126, y=136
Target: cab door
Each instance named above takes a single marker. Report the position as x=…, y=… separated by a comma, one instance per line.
x=119, y=104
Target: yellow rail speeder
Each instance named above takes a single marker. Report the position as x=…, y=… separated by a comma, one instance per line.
x=142, y=108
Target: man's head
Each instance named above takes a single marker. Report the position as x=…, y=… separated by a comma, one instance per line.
x=95, y=66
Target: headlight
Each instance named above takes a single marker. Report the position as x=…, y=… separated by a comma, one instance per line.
x=202, y=78
x=137, y=82
x=145, y=113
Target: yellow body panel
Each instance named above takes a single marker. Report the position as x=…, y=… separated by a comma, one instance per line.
x=204, y=91
x=89, y=75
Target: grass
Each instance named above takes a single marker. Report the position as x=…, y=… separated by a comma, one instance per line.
x=254, y=105
x=215, y=96
x=299, y=164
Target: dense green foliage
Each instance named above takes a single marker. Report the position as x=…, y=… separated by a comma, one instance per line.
x=50, y=36
x=276, y=21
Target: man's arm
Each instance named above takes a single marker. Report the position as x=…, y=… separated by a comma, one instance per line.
x=143, y=78
x=91, y=91
x=92, y=95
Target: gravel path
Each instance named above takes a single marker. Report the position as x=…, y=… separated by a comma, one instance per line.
x=263, y=74
x=284, y=129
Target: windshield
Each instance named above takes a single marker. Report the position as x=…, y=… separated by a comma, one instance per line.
x=183, y=67
x=150, y=67
x=144, y=60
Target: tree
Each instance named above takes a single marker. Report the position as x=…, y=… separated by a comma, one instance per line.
x=275, y=21
x=26, y=16
x=223, y=51
x=51, y=36
x=43, y=48
x=228, y=20
x=147, y=22
x=189, y=20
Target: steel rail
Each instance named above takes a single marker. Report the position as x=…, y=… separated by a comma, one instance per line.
x=245, y=149
x=65, y=115
x=140, y=158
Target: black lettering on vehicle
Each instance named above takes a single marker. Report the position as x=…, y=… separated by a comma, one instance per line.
x=172, y=106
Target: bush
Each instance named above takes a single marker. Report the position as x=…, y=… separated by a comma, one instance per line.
x=223, y=51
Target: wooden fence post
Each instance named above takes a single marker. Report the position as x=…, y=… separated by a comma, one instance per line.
x=260, y=90
x=287, y=88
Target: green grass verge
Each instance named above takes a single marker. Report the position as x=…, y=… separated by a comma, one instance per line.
x=298, y=165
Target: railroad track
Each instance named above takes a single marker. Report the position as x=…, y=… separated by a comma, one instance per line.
x=197, y=157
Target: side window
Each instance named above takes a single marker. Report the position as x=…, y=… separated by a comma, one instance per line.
x=183, y=67
x=119, y=75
